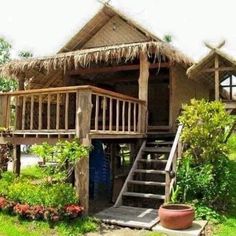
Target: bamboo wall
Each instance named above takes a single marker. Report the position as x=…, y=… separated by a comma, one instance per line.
x=183, y=90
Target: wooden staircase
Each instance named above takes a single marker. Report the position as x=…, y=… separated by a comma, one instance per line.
x=153, y=173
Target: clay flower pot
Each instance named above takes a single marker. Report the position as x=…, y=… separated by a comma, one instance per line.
x=176, y=216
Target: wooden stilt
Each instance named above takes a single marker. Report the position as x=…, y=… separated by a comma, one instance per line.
x=16, y=160
x=83, y=117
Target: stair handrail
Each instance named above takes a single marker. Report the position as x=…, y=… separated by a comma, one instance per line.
x=174, y=148
x=171, y=165
x=124, y=188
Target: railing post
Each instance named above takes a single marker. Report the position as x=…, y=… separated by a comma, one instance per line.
x=4, y=111
x=83, y=119
x=142, y=118
x=167, y=187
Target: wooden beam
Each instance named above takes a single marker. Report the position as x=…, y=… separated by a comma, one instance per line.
x=112, y=69
x=208, y=70
x=217, y=79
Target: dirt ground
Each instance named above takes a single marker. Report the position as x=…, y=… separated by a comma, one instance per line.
x=119, y=232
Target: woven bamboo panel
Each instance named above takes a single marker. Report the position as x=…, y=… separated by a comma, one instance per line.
x=116, y=31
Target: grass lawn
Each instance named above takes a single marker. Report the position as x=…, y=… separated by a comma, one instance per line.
x=12, y=226
x=228, y=227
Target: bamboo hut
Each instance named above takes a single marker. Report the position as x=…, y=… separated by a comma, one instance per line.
x=117, y=85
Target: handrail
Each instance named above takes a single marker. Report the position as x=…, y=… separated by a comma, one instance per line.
x=73, y=89
x=173, y=149
x=171, y=164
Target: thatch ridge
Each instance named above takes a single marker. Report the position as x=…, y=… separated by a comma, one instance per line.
x=83, y=58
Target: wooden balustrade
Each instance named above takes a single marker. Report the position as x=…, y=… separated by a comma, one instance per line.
x=60, y=111
x=171, y=165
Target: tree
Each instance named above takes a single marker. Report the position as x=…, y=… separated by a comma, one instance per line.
x=5, y=48
x=25, y=54
x=6, y=84
x=168, y=38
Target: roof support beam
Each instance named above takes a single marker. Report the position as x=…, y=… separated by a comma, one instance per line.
x=219, y=69
x=111, y=69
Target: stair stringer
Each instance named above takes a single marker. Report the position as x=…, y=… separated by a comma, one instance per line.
x=131, y=172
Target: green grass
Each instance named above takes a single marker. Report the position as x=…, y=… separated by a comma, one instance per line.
x=12, y=226
x=228, y=227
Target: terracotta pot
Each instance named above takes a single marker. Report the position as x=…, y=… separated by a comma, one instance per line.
x=176, y=216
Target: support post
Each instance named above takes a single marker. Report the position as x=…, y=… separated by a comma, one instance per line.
x=217, y=79
x=16, y=158
x=83, y=118
x=18, y=125
x=143, y=89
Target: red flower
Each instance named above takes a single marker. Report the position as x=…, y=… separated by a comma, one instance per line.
x=3, y=202
x=73, y=211
x=22, y=209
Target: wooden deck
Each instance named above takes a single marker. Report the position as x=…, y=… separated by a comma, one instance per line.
x=133, y=217
x=68, y=112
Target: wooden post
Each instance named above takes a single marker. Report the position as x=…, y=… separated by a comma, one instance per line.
x=143, y=89
x=4, y=111
x=16, y=157
x=83, y=119
x=17, y=151
x=217, y=79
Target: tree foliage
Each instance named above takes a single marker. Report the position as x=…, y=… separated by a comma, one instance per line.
x=25, y=54
x=6, y=84
x=168, y=38
x=5, y=48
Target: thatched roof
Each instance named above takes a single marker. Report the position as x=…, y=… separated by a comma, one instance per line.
x=198, y=70
x=79, y=53
x=83, y=58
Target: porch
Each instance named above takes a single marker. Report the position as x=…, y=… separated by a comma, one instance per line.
x=68, y=112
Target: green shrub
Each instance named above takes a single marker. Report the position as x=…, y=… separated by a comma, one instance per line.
x=204, y=174
x=50, y=195
x=29, y=189
x=206, y=126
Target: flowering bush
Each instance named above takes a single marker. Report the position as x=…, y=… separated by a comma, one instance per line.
x=52, y=214
x=73, y=211
x=22, y=210
x=38, y=212
x=3, y=202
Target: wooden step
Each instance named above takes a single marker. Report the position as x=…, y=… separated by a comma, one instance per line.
x=144, y=195
x=160, y=135
x=157, y=149
x=149, y=171
x=153, y=160
x=160, y=143
x=152, y=183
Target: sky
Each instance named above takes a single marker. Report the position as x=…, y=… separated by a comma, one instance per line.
x=44, y=26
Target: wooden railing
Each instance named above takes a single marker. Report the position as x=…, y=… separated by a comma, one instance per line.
x=171, y=165
x=72, y=110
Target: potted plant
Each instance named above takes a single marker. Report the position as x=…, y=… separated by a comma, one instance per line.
x=176, y=216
